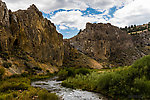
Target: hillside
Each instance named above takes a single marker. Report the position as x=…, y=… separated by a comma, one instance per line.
x=77, y=59
x=106, y=43
x=137, y=29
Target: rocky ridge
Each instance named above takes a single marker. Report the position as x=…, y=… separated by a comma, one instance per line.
x=106, y=43
x=28, y=41
x=142, y=42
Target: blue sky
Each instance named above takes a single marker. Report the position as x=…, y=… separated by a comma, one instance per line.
x=69, y=32
x=70, y=16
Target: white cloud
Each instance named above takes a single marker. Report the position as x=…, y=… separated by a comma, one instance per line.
x=133, y=12
x=136, y=12
x=51, y=5
x=63, y=27
x=74, y=19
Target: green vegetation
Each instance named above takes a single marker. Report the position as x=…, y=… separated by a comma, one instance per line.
x=135, y=29
x=2, y=71
x=124, y=83
x=71, y=72
x=17, y=87
x=44, y=95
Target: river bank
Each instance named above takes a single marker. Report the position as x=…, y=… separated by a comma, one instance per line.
x=54, y=86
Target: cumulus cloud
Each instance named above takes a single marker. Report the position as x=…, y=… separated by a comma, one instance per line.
x=51, y=5
x=128, y=11
x=136, y=12
x=75, y=19
x=62, y=27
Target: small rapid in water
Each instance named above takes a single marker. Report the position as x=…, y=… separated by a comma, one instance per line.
x=67, y=93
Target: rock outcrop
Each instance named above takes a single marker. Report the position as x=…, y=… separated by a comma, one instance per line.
x=106, y=43
x=27, y=33
x=75, y=58
x=142, y=42
x=32, y=33
x=36, y=35
x=4, y=15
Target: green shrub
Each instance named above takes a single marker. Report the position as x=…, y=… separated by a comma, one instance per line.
x=71, y=71
x=62, y=74
x=44, y=95
x=145, y=61
x=15, y=86
x=142, y=86
x=2, y=71
x=7, y=65
x=39, y=77
x=104, y=81
x=143, y=66
x=83, y=71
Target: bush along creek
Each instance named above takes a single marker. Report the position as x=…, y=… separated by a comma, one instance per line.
x=129, y=82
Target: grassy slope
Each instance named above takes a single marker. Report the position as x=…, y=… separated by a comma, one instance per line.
x=18, y=87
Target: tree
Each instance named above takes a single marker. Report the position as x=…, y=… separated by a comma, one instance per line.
x=134, y=25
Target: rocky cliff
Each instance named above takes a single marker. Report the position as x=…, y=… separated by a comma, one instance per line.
x=106, y=43
x=26, y=34
x=142, y=41
x=75, y=58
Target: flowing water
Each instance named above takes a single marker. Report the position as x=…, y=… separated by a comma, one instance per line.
x=67, y=93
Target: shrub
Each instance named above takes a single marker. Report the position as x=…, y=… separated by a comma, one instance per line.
x=143, y=66
x=44, y=95
x=104, y=81
x=63, y=74
x=15, y=86
x=142, y=86
x=2, y=71
x=71, y=71
x=7, y=65
x=145, y=61
x=83, y=71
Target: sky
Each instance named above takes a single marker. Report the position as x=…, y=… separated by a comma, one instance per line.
x=71, y=16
